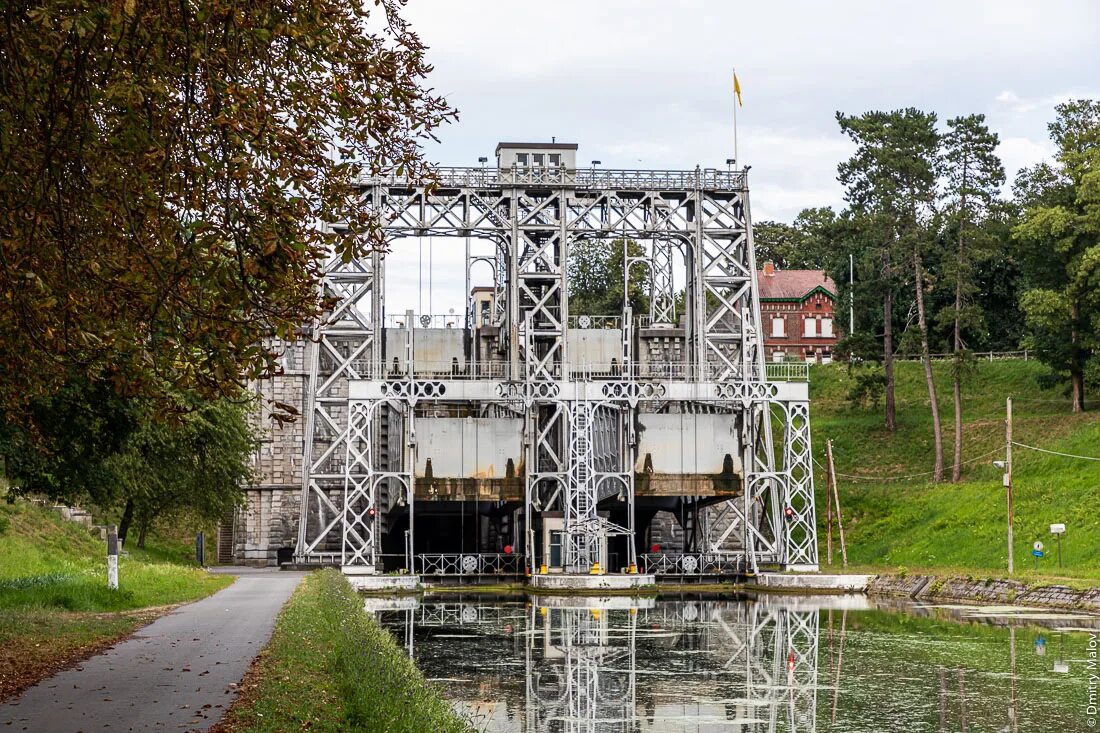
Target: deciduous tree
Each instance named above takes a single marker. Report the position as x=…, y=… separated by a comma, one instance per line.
x=163, y=169
x=596, y=277
x=1058, y=243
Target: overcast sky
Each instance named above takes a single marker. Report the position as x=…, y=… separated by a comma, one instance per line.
x=644, y=84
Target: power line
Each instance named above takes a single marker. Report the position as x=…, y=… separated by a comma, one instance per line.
x=880, y=478
x=853, y=477
x=1056, y=453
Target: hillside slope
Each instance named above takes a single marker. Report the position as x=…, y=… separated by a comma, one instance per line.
x=894, y=516
x=55, y=607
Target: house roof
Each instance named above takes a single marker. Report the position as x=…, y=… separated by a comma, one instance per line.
x=793, y=284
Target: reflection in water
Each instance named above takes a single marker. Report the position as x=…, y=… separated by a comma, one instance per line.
x=754, y=664
x=581, y=669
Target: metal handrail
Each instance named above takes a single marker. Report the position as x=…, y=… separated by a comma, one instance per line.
x=425, y=320
x=599, y=322
x=470, y=563
x=609, y=371
x=599, y=178
x=693, y=563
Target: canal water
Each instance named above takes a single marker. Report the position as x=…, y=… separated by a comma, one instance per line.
x=764, y=663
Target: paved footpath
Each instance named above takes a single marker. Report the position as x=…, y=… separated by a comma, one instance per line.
x=179, y=673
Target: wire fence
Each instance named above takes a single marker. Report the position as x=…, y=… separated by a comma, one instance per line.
x=1024, y=355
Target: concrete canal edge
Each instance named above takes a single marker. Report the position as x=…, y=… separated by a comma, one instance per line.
x=927, y=588
x=810, y=583
x=998, y=591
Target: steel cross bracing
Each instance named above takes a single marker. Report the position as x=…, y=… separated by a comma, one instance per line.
x=662, y=301
x=580, y=507
x=532, y=218
x=339, y=345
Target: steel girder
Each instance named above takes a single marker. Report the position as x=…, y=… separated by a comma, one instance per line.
x=703, y=214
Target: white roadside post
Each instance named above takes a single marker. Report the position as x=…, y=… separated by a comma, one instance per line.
x=112, y=557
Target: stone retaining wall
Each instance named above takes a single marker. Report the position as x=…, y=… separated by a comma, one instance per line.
x=992, y=591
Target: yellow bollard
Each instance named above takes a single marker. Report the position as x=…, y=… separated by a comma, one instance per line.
x=595, y=569
x=543, y=569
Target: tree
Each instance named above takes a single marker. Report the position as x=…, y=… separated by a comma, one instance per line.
x=162, y=170
x=197, y=466
x=595, y=271
x=76, y=432
x=1058, y=243
x=97, y=448
x=891, y=188
x=796, y=246
x=974, y=176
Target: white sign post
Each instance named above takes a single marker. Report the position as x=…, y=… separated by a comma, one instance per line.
x=1058, y=530
x=112, y=557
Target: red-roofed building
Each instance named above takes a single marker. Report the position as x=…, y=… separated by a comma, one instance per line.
x=797, y=310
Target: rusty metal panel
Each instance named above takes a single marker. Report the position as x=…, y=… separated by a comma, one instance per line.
x=687, y=444
x=434, y=349
x=469, y=447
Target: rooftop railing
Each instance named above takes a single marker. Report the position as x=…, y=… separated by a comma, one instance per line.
x=396, y=369
x=436, y=320
x=595, y=178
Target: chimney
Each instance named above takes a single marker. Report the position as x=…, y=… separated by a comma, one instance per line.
x=769, y=269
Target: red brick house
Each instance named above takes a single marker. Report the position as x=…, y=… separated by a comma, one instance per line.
x=797, y=310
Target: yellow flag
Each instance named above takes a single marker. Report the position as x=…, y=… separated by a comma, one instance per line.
x=737, y=89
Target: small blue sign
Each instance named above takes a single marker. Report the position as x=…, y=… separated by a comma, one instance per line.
x=1037, y=553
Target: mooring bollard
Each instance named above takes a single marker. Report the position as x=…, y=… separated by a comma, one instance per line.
x=112, y=557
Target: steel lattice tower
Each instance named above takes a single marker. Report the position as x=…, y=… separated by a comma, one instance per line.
x=580, y=420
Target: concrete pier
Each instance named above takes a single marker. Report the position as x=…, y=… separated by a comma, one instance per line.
x=367, y=579
x=587, y=583
x=812, y=582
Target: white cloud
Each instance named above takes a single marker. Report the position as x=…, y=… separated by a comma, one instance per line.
x=1019, y=152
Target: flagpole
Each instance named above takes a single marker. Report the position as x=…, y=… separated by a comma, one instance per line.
x=735, y=105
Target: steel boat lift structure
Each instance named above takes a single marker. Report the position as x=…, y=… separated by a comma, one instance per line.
x=551, y=415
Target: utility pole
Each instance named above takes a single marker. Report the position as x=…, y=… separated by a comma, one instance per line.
x=836, y=498
x=1008, y=477
x=828, y=515
x=851, y=294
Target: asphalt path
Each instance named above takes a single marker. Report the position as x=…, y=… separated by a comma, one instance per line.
x=179, y=673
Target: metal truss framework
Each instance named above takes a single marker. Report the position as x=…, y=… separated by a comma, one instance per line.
x=532, y=218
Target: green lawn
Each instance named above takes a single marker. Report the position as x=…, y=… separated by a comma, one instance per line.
x=916, y=524
x=331, y=667
x=55, y=607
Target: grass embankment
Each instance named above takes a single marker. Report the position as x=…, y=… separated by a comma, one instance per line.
x=331, y=667
x=55, y=607
x=960, y=528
